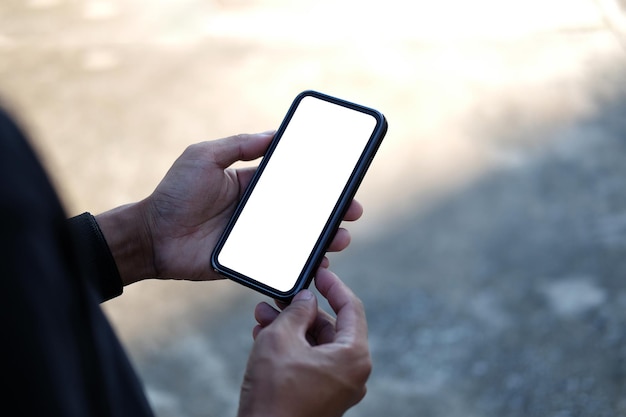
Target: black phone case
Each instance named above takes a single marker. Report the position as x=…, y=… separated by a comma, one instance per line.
x=328, y=232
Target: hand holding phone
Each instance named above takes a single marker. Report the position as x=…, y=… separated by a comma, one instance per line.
x=289, y=213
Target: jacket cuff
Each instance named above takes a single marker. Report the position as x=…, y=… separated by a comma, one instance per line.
x=99, y=268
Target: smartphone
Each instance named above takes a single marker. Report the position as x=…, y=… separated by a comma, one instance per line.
x=288, y=215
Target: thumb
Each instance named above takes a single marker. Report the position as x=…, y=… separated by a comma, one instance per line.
x=300, y=314
x=242, y=147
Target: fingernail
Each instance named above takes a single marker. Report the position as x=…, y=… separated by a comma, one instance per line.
x=303, y=295
x=268, y=132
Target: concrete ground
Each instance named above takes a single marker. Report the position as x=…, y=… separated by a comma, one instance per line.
x=492, y=255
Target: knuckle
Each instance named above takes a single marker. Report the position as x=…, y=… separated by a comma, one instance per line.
x=358, y=305
x=359, y=362
x=241, y=136
x=196, y=150
x=363, y=368
x=270, y=336
x=191, y=149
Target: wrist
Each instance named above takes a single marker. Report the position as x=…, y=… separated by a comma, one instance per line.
x=129, y=241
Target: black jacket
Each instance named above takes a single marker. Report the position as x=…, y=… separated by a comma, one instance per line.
x=59, y=355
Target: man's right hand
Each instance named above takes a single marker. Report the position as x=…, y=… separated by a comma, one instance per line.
x=304, y=362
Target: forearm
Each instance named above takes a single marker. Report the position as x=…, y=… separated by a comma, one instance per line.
x=127, y=236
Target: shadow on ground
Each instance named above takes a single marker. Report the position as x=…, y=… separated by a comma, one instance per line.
x=515, y=304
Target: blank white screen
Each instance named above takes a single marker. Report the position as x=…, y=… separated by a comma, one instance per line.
x=294, y=197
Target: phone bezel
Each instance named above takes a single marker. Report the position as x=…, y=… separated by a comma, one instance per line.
x=335, y=217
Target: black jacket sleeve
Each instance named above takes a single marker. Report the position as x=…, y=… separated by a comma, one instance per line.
x=59, y=355
x=96, y=259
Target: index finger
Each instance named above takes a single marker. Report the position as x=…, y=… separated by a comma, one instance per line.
x=354, y=212
x=351, y=325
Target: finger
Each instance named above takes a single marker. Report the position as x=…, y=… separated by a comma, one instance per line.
x=265, y=314
x=325, y=262
x=281, y=305
x=341, y=240
x=298, y=316
x=351, y=325
x=323, y=329
x=255, y=331
x=244, y=175
x=354, y=212
x=243, y=147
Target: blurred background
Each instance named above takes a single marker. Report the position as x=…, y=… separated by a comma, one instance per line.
x=492, y=254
